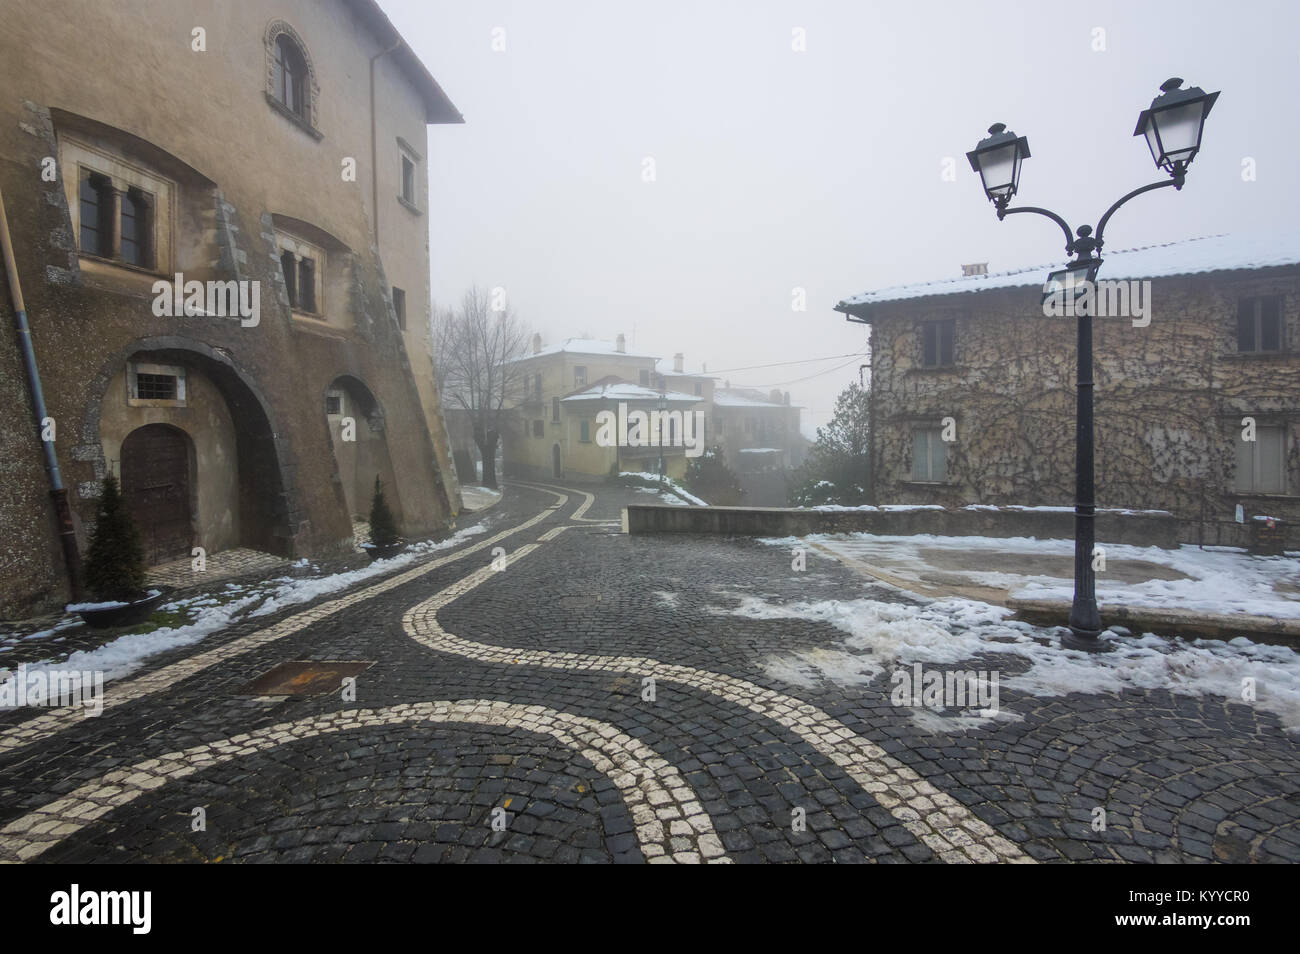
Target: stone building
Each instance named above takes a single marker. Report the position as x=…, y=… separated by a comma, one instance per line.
x=275, y=153
x=1197, y=401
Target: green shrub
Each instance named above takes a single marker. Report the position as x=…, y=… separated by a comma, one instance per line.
x=114, y=568
x=383, y=528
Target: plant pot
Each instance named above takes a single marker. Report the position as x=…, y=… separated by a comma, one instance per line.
x=130, y=614
x=383, y=553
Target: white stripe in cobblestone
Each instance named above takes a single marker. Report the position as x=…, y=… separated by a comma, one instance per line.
x=655, y=793
x=56, y=720
x=934, y=817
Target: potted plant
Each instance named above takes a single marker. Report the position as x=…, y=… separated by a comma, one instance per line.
x=114, y=568
x=384, y=541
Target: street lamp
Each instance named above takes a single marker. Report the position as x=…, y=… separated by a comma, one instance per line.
x=663, y=406
x=1172, y=126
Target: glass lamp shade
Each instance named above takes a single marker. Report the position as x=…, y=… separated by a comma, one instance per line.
x=997, y=159
x=1066, y=284
x=1173, y=124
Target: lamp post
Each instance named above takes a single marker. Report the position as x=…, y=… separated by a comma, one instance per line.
x=663, y=406
x=1172, y=126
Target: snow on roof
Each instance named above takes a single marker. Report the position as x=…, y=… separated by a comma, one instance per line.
x=613, y=389
x=729, y=399
x=1211, y=253
x=665, y=367
x=761, y=450
x=586, y=346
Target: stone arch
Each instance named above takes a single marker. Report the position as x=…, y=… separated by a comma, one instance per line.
x=360, y=441
x=265, y=515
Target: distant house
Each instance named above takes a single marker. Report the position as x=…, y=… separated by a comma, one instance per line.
x=1197, y=403
x=555, y=424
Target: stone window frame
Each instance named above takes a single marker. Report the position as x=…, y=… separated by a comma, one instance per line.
x=310, y=120
x=134, y=368
x=301, y=248
x=407, y=154
x=77, y=159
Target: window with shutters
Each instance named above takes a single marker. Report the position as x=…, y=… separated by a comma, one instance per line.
x=937, y=339
x=1259, y=325
x=1261, y=463
x=929, y=455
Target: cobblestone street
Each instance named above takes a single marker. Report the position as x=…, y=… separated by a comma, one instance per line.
x=503, y=716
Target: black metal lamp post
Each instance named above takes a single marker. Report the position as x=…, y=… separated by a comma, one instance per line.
x=1172, y=126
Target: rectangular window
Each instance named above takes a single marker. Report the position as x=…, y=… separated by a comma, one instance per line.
x=333, y=404
x=539, y=429
x=585, y=432
x=399, y=307
x=155, y=387
x=699, y=388
x=579, y=376
x=1259, y=325
x=555, y=409
x=408, y=179
x=937, y=343
x=289, y=268
x=1261, y=463
x=645, y=378
x=137, y=228
x=929, y=455
x=307, y=285
x=94, y=231
x=537, y=385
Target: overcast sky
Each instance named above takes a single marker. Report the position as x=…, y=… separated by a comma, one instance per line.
x=822, y=170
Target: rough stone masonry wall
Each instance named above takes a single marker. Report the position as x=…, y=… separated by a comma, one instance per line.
x=1169, y=402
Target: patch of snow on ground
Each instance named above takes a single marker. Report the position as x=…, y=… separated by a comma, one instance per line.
x=881, y=636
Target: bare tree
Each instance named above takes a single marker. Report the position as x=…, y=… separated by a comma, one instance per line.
x=475, y=352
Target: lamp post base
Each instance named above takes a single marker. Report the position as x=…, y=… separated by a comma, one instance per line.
x=1086, y=640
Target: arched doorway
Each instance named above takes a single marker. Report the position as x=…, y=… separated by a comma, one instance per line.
x=156, y=489
x=556, y=471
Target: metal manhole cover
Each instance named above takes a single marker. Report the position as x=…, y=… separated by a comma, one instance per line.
x=303, y=677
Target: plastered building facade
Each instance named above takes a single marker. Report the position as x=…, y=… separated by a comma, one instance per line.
x=226, y=143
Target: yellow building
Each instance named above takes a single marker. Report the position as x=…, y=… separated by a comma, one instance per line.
x=579, y=416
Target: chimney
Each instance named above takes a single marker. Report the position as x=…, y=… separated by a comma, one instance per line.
x=678, y=358
x=620, y=344
x=787, y=398
x=979, y=268
x=537, y=342
x=775, y=396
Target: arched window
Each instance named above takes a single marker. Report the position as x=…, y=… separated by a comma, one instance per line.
x=289, y=83
x=290, y=78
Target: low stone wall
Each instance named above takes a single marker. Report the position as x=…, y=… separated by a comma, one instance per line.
x=1139, y=529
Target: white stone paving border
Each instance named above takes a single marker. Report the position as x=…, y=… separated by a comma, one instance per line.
x=671, y=824
x=936, y=819
x=56, y=720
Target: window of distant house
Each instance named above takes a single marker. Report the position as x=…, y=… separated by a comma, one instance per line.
x=929, y=455
x=699, y=388
x=579, y=376
x=936, y=342
x=645, y=378
x=333, y=403
x=539, y=429
x=1259, y=325
x=1261, y=463
x=399, y=307
x=555, y=409
x=537, y=385
x=585, y=432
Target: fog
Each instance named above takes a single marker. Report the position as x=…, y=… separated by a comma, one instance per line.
x=822, y=169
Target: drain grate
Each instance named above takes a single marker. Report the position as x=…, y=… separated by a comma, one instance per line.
x=303, y=677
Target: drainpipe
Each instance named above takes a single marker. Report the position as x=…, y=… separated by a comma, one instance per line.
x=374, y=137
x=63, y=515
